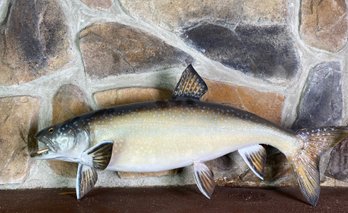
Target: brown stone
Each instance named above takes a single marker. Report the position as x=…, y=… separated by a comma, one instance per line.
x=324, y=24
x=112, y=49
x=98, y=4
x=176, y=14
x=18, y=119
x=116, y=97
x=267, y=105
x=68, y=102
x=33, y=41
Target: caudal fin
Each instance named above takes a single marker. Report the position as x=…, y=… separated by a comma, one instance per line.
x=306, y=162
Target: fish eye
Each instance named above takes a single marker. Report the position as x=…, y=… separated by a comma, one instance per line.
x=50, y=130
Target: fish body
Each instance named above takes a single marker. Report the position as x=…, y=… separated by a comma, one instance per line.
x=157, y=136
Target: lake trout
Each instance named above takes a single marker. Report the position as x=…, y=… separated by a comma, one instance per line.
x=164, y=135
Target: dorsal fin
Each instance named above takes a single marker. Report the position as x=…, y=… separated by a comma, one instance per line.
x=190, y=85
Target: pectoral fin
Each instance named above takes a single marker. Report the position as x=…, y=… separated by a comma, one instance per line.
x=100, y=154
x=255, y=157
x=204, y=179
x=85, y=180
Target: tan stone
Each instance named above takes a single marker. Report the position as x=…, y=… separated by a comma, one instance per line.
x=111, y=49
x=116, y=97
x=18, y=119
x=172, y=14
x=324, y=24
x=267, y=105
x=68, y=102
x=98, y=4
x=33, y=41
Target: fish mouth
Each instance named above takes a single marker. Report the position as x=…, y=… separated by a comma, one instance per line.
x=43, y=147
x=40, y=152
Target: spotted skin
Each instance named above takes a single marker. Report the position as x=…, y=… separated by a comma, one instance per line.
x=180, y=132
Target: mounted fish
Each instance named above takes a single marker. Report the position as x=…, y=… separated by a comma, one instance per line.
x=157, y=136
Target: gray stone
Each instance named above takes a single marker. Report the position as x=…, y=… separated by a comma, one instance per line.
x=338, y=164
x=321, y=101
x=265, y=52
x=33, y=41
x=112, y=49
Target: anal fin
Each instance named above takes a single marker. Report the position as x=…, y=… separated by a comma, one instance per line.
x=255, y=157
x=85, y=180
x=204, y=179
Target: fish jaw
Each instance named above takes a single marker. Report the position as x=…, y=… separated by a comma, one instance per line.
x=46, y=150
x=43, y=149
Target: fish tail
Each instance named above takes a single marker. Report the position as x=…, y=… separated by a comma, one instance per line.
x=306, y=161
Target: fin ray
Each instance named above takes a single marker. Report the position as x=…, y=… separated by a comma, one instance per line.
x=85, y=180
x=101, y=154
x=190, y=85
x=255, y=157
x=306, y=162
x=204, y=179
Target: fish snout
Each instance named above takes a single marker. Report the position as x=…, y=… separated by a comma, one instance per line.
x=41, y=147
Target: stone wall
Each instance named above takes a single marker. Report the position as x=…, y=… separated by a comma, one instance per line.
x=283, y=60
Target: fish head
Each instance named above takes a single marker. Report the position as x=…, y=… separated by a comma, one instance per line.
x=63, y=141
